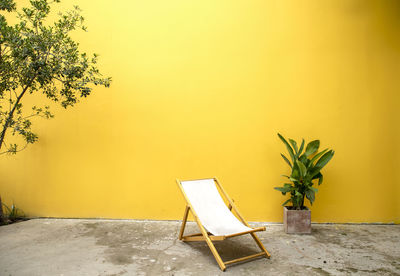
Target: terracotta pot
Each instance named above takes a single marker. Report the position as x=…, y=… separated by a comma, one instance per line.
x=297, y=221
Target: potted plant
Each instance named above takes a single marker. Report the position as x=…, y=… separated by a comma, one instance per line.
x=305, y=171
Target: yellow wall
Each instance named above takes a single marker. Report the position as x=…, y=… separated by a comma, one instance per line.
x=200, y=88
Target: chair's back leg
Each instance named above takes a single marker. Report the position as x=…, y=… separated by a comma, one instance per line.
x=184, y=220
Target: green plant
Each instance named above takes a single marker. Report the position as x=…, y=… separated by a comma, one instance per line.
x=12, y=213
x=305, y=168
x=38, y=55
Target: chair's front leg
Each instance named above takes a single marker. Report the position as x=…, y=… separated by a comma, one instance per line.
x=260, y=245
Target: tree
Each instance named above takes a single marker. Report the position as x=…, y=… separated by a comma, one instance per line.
x=40, y=57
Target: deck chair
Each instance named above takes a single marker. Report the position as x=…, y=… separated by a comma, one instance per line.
x=214, y=218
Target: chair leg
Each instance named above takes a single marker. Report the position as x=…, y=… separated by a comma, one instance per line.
x=205, y=235
x=260, y=245
x=211, y=245
x=216, y=255
x=184, y=220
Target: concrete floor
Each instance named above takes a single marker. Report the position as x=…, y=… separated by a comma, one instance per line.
x=128, y=247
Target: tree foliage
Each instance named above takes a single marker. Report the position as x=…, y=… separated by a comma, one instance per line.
x=305, y=168
x=40, y=57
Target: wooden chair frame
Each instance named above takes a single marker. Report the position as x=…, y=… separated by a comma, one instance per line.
x=208, y=237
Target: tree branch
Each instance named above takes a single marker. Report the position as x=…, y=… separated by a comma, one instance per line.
x=11, y=114
x=9, y=102
x=8, y=151
x=33, y=115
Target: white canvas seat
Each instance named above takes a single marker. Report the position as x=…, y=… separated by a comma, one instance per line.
x=214, y=218
x=211, y=209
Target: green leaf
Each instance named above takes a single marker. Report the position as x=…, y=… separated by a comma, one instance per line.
x=310, y=194
x=314, y=189
x=321, y=178
x=303, y=158
x=316, y=176
x=287, y=187
x=321, y=163
x=294, y=144
x=306, y=162
x=317, y=156
x=302, y=168
x=289, y=148
x=301, y=148
x=286, y=201
x=296, y=174
x=324, y=159
x=283, y=190
x=287, y=160
x=312, y=147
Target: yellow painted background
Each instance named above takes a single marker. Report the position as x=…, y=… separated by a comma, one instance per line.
x=200, y=89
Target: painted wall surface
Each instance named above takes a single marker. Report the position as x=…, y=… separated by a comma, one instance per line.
x=200, y=89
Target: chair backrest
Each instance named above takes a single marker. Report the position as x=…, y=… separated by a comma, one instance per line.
x=210, y=208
